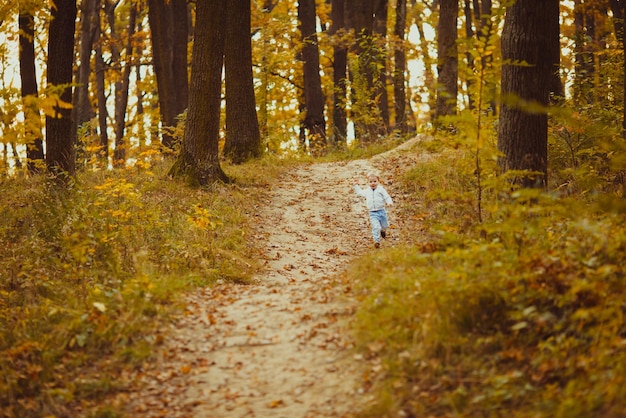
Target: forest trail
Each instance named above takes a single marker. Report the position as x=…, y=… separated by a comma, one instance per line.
x=279, y=347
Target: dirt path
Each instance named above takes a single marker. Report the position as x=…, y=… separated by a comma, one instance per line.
x=279, y=348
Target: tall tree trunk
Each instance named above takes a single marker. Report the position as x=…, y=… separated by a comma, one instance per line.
x=469, y=36
x=142, y=135
x=359, y=18
x=399, y=72
x=83, y=111
x=121, y=95
x=198, y=160
x=180, y=64
x=243, y=139
x=585, y=46
x=619, y=23
x=484, y=35
x=523, y=131
x=448, y=61
x=32, y=117
x=429, y=77
x=617, y=9
x=622, y=35
x=169, y=31
x=553, y=47
x=103, y=112
x=380, y=38
x=314, y=120
x=113, y=68
x=60, y=135
x=340, y=64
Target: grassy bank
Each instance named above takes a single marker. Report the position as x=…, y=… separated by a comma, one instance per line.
x=88, y=273
x=521, y=315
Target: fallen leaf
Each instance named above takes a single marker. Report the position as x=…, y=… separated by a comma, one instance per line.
x=276, y=403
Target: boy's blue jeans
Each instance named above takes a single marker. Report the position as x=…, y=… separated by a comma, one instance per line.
x=379, y=221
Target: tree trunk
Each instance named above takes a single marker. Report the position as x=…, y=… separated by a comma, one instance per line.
x=380, y=37
x=484, y=33
x=83, y=111
x=399, y=73
x=340, y=64
x=198, y=160
x=113, y=68
x=180, y=63
x=314, y=120
x=243, y=139
x=619, y=23
x=448, y=61
x=585, y=46
x=430, y=85
x=359, y=18
x=469, y=36
x=60, y=135
x=142, y=135
x=556, y=89
x=32, y=117
x=121, y=95
x=523, y=128
x=617, y=9
x=103, y=112
x=169, y=31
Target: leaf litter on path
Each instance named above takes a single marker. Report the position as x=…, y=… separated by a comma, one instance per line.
x=279, y=347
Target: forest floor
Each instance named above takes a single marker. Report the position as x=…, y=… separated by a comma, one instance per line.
x=279, y=347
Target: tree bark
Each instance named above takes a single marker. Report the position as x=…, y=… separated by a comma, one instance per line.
x=381, y=97
x=198, y=160
x=243, y=138
x=483, y=12
x=623, y=32
x=469, y=36
x=340, y=75
x=139, y=93
x=359, y=18
x=121, y=95
x=314, y=120
x=523, y=125
x=399, y=73
x=32, y=117
x=60, y=135
x=619, y=26
x=169, y=31
x=430, y=84
x=103, y=112
x=448, y=61
x=83, y=111
x=114, y=69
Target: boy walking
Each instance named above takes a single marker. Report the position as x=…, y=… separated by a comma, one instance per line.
x=376, y=197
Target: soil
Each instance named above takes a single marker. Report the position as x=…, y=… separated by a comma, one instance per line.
x=280, y=347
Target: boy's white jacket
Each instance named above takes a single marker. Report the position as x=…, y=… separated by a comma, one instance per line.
x=375, y=199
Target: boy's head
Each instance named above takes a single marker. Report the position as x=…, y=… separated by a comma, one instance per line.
x=373, y=180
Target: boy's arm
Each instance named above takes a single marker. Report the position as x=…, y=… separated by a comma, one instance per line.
x=388, y=199
x=358, y=190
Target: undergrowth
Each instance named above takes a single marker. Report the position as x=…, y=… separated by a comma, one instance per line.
x=89, y=272
x=521, y=315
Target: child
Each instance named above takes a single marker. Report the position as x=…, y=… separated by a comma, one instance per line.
x=375, y=199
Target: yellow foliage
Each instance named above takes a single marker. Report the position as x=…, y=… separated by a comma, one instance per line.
x=50, y=106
